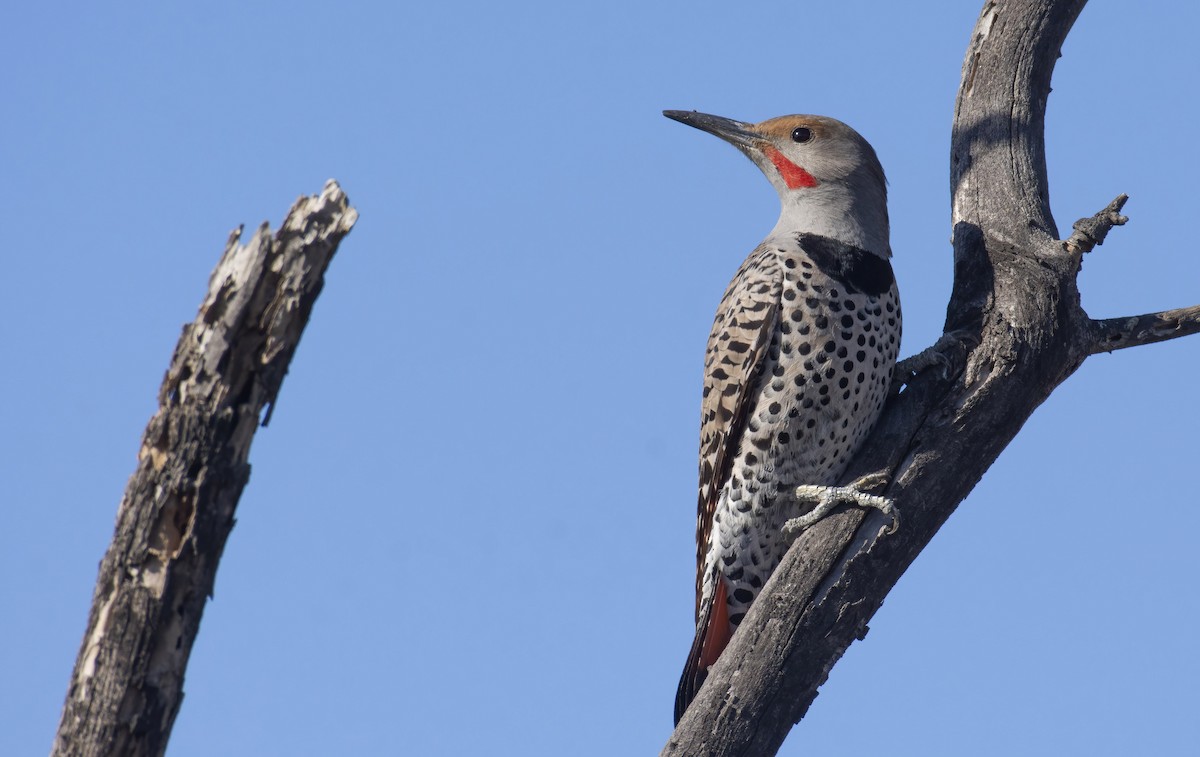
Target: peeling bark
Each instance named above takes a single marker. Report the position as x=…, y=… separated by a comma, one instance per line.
x=178, y=507
x=1015, y=330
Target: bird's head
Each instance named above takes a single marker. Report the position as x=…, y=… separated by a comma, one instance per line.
x=819, y=165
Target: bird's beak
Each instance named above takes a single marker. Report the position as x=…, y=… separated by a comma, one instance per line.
x=736, y=133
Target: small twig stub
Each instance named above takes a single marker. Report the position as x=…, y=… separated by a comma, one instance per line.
x=1090, y=232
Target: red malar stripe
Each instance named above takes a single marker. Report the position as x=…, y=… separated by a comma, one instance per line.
x=793, y=175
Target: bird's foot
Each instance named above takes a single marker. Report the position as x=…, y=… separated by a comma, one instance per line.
x=829, y=498
x=922, y=361
x=935, y=355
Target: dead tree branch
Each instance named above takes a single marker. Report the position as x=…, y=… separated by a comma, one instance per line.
x=1090, y=232
x=1014, y=331
x=1118, y=333
x=179, y=505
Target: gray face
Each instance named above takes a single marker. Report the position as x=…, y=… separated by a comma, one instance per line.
x=795, y=152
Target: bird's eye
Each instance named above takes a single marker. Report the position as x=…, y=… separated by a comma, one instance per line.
x=801, y=134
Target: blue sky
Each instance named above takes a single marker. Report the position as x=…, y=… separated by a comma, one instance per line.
x=469, y=526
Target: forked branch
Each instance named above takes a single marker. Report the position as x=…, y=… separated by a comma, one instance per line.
x=1015, y=332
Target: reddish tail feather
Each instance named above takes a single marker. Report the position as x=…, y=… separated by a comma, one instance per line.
x=712, y=635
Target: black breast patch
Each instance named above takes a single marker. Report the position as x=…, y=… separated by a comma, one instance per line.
x=858, y=270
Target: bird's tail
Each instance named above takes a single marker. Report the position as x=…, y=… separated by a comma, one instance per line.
x=712, y=635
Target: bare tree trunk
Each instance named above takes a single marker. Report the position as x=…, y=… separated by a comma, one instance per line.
x=1014, y=331
x=179, y=505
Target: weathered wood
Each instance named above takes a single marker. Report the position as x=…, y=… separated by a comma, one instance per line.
x=1014, y=331
x=1133, y=331
x=178, y=508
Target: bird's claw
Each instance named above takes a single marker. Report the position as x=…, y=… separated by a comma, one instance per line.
x=932, y=356
x=829, y=498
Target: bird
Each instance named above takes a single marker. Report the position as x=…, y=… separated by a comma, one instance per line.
x=798, y=365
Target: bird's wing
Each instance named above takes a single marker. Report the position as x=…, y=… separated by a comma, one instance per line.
x=737, y=348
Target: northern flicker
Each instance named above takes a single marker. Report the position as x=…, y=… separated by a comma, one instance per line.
x=798, y=365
